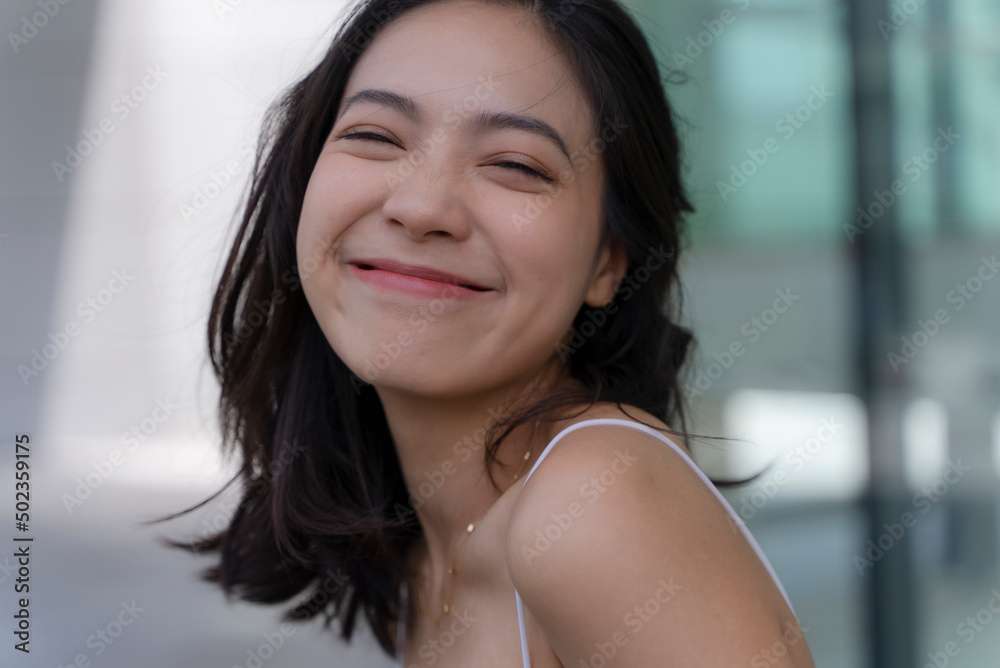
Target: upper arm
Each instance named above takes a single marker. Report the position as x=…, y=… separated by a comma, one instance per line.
x=615, y=539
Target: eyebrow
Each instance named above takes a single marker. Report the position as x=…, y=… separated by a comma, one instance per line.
x=484, y=121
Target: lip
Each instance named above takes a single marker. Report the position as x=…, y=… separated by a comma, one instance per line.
x=414, y=279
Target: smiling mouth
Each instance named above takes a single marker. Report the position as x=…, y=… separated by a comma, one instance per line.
x=369, y=267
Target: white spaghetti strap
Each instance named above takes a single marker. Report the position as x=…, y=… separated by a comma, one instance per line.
x=524, y=633
x=704, y=478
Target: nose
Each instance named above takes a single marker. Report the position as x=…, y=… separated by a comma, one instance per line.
x=425, y=199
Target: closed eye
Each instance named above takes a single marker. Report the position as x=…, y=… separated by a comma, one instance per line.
x=527, y=170
x=517, y=166
x=368, y=136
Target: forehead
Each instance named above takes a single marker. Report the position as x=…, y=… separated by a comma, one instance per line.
x=441, y=53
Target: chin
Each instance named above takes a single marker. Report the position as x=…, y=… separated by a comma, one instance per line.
x=438, y=375
x=436, y=386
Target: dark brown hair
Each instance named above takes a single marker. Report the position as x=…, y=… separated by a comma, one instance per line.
x=324, y=505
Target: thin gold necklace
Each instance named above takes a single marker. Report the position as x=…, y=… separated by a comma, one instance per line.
x=446, y=607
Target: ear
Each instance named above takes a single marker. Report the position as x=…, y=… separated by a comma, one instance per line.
x=610, y=270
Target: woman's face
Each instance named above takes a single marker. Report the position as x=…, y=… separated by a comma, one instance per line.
x=462, y=145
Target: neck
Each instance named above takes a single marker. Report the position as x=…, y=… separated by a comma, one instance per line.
x=440, y=443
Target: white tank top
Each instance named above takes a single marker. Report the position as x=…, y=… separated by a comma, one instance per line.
x=652, y=432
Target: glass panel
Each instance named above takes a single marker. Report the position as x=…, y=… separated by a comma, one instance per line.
x=767, y=120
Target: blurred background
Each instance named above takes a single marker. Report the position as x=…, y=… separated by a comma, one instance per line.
x=844, y=159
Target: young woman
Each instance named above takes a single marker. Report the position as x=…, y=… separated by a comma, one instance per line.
x=447, y=343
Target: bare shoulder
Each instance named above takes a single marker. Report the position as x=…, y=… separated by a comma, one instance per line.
x=616, y=538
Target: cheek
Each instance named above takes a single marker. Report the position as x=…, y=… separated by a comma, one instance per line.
x=340, y=191
x=556, y=244
x=550, y=263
